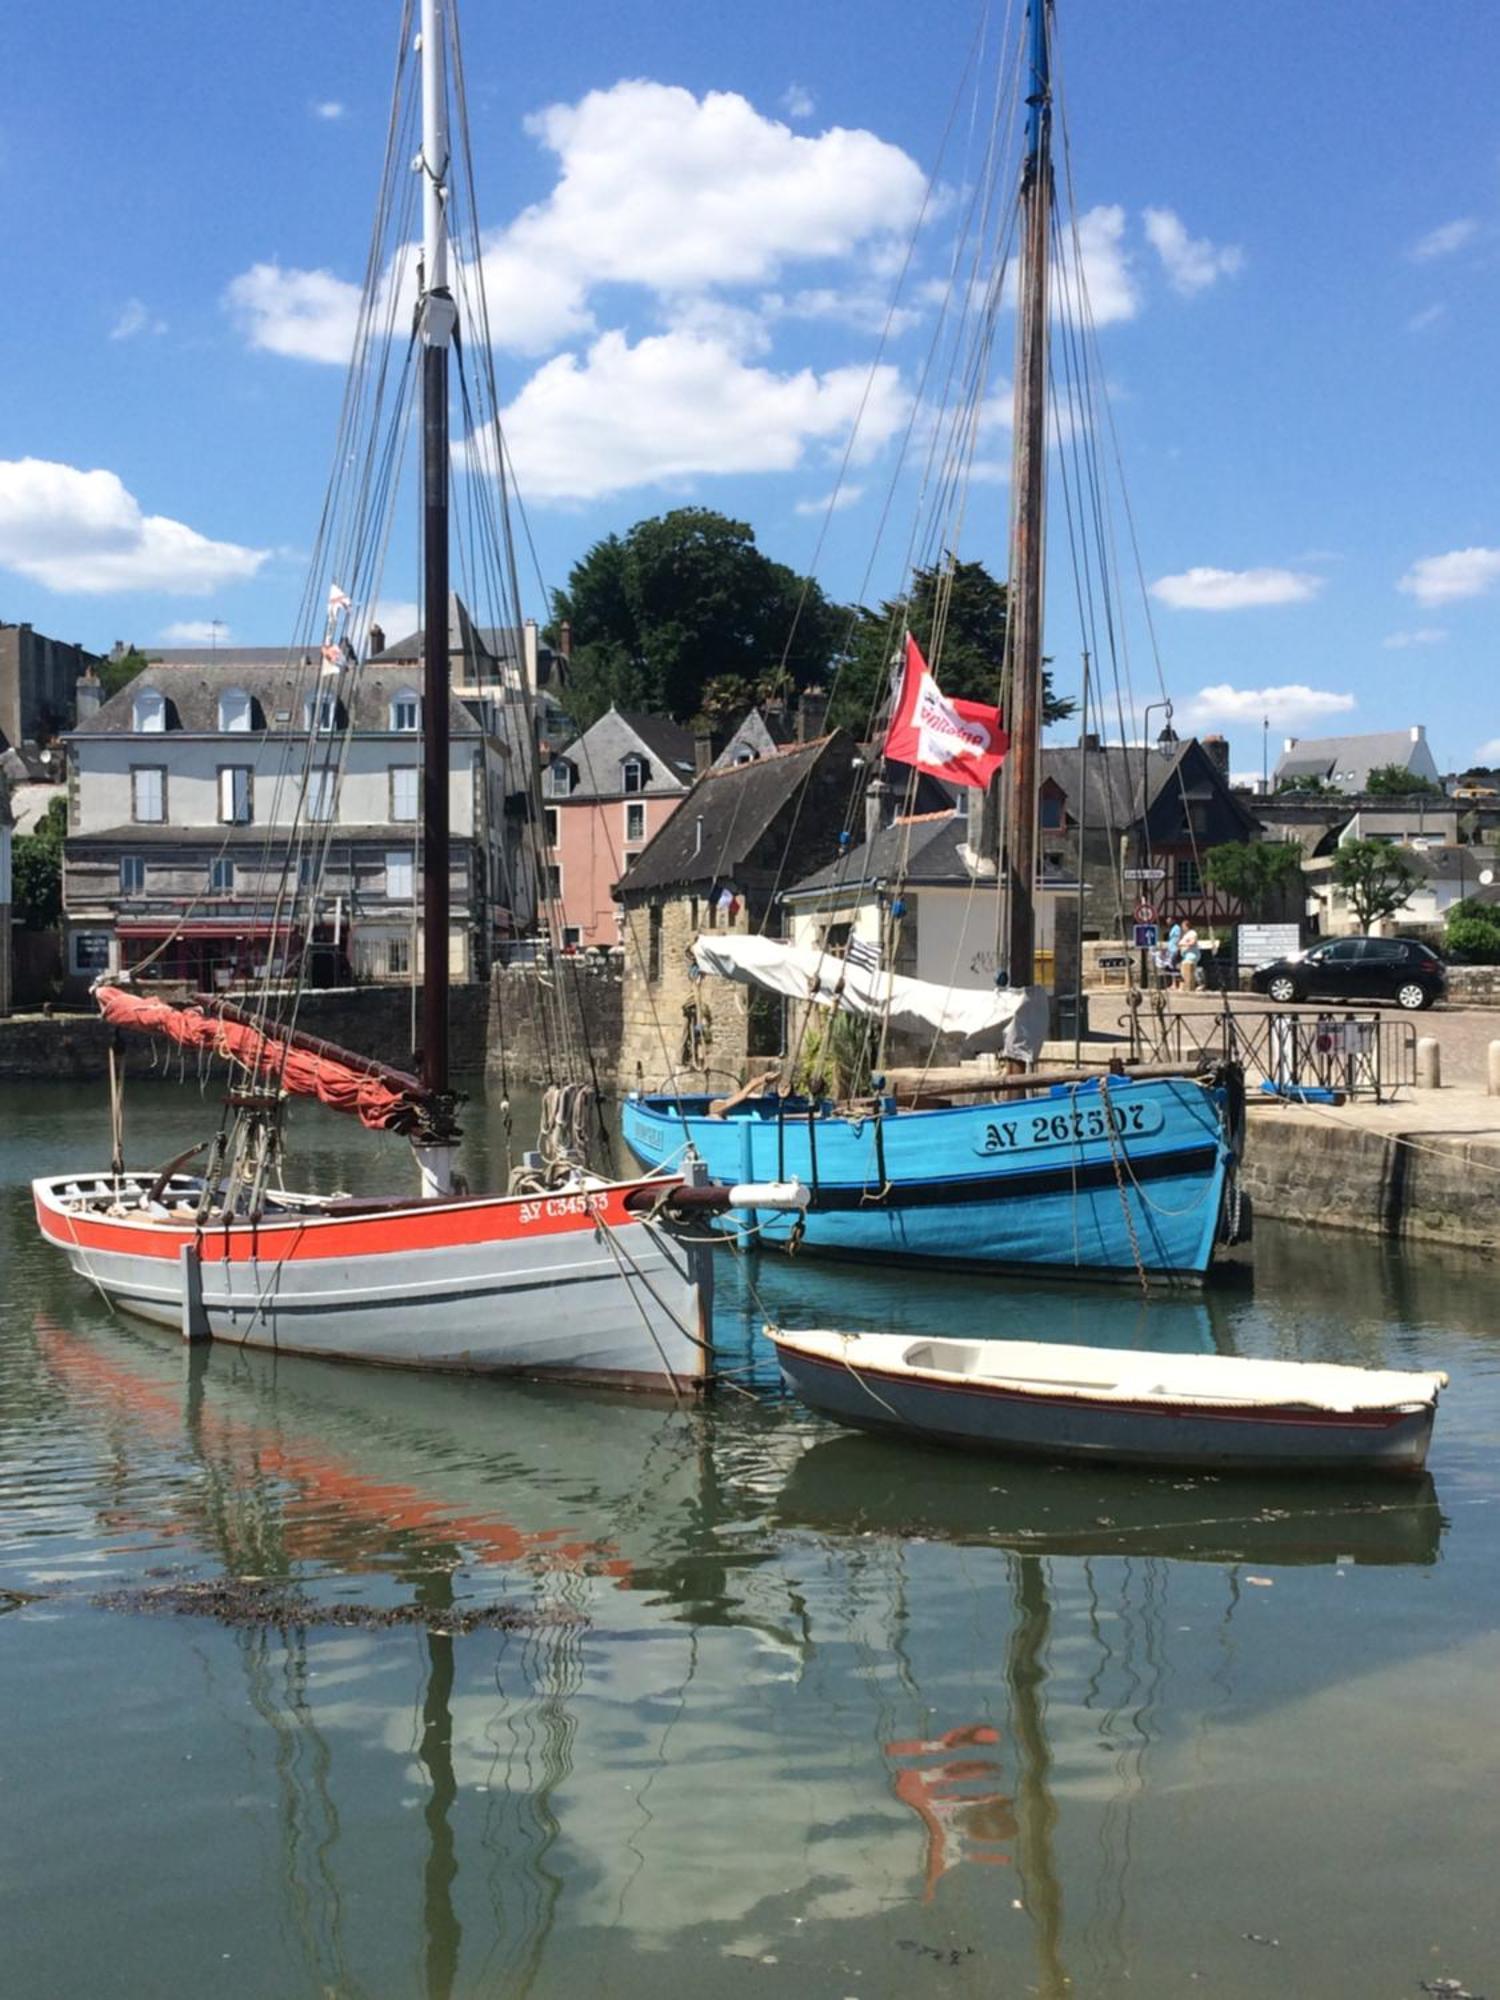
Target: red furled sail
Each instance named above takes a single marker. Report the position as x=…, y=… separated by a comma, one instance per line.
x=383, y=1099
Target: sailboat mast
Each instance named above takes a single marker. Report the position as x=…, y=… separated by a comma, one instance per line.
x=1028, y=470
x=436, y=317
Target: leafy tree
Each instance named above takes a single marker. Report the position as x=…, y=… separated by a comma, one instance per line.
x=1472, y=933
x=1376, y=877
x=1317, y=788
x=684, y=599
x=969, y=662
x=115, y=674
x=1394, y=781
x=36, y=870
x=1255, y=872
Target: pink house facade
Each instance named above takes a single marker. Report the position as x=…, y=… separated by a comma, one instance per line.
x=604, y=797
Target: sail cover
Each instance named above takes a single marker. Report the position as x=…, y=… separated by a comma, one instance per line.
x=1012, y=1018
x=382, y=1099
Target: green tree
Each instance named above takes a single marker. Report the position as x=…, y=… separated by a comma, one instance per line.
x=1255, y=872
x=117, y=673
x=1376, y=877
x=36, y=870
x=681, y=600
x=1394, y=781
x=1471, y=933
x=967, y=608
x=1315, y=788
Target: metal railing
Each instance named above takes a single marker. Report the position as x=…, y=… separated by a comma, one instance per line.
x=1291, y=1049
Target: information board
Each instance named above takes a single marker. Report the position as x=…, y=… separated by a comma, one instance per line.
x=1258, y=944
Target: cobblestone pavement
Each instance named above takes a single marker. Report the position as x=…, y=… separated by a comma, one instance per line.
x=1463, y=1033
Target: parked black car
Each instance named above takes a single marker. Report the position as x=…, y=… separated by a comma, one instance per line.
x=1358, y=968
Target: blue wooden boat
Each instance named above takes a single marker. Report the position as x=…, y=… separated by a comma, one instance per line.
x=1113, y=1177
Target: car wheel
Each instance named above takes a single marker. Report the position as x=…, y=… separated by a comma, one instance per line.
x=1412, y=997
x=1282, y=989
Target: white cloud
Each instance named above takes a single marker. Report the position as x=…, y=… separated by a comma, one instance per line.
x=655, y=188
x=1108, y=275
x=310, y=315
x=83, y=531
x=1191, y=262
x=135, y=317
x=677, y=406
x=195, y=632
x=1293, y=703
x=797, y=101
x=328, y=107
x=1235, y=589
x=397, y=618
x=1441, y=242
x=831, y=503
x=1429, y=316
x=1488, y=753
x=1460, y=573
x=1422, y=635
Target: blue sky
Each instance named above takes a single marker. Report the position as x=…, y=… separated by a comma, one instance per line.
x=1296, y=215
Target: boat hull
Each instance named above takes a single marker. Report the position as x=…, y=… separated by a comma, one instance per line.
x=1126, y=1183
x=988, y=1416
x=569, y=1284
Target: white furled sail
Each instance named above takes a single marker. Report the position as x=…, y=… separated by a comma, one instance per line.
x=1012, y=1019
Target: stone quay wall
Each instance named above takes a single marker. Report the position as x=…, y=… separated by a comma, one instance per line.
x=1421, y=1185
x=523, y=1031
x=1474, y=986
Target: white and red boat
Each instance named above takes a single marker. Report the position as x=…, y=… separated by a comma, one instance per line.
x=565, y=1274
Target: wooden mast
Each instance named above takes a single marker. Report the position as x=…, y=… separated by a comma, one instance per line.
x=1028, y=470
x=436, y=317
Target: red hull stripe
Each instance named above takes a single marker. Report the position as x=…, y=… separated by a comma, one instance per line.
x=504, y=1219
x=1238, y=1413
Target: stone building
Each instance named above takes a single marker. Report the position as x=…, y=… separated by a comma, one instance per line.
x=742, y=834
x=6, y=984
x=37, y=679
x=224, y=820
x=1345, y=762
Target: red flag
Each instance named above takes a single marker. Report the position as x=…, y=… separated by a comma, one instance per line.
x=960, y=741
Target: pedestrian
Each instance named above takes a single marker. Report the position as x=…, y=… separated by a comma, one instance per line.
x=1187, y=953
x=1170, y=953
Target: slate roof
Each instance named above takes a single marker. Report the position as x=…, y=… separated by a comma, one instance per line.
x=496, y=646
x=1347, y=761
x=192, y=697
x=925, y=852
x=721, y=822
x=217, y=658
x=597, y=754
x=273, y=838
x=1124, y=781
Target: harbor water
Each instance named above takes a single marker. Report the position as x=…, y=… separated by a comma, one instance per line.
x=320, y=1681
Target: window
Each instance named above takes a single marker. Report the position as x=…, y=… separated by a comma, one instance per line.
x=653, y=943
x=552, y=882
x=406, y=709
x=1387, y=950
x=635, y=822
x=321, y=786
x=560, y=777
x=633, y=774
x=132, y=874
x=398, y=957
x=236, y=711
x=572, y=937
x=1052, y=812
x=400, y=876
x=221, y=875
x=404, y=792
x=1187, y=876
x=550, y=825
x=304, y=871
x=91, y=951
x=322, y=711
x=148, y=794
x=235, y=791
x=149, y=711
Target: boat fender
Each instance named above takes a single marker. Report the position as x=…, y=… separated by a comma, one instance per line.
x=786, y=1196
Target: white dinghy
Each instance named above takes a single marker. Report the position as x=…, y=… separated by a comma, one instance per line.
x=1122, y=1404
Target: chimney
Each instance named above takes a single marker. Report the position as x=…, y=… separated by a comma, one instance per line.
x=706, y=746
x=377, y=640
x=1418, y=732
x=874, y=807
x=87, y=694
x=1091, y=741
x=565, y=639
x=1217, y=750
x=812, y=714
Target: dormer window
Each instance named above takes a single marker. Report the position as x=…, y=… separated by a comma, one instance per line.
x=150, y=711
x=634, y=772
x=236, y=712
x=406, y=710
x=322, y=711
x=560, y=777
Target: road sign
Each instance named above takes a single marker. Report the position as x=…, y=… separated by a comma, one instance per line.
x=1145, y=913
x=1145, y=874
x=1145, y=937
